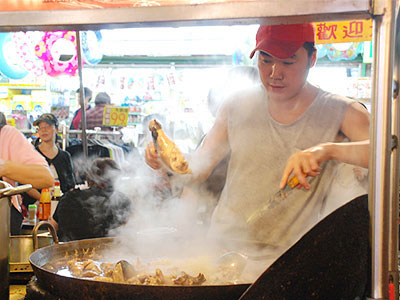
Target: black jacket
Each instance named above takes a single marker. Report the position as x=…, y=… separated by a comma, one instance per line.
x=91, y=213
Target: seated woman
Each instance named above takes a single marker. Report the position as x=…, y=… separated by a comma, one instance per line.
x=92, y=213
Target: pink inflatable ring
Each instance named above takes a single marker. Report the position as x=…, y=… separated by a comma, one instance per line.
x=55, y=61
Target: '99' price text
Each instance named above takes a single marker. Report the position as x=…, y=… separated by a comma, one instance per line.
x=115, y=116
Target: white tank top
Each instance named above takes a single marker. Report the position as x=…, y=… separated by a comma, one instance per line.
x=260, y=147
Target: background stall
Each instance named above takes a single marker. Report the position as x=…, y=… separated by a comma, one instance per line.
x=95, y=15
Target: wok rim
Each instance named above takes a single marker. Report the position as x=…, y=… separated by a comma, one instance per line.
x=36, y=268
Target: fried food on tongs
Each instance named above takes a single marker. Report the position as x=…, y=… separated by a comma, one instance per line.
x=170, y=154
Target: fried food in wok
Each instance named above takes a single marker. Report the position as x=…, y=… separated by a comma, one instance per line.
x=168, y=151
x=124, y=272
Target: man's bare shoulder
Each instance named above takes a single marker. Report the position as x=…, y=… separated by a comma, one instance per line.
x=356, y=121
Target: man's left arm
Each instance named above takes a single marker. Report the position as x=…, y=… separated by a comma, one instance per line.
x=355, y=126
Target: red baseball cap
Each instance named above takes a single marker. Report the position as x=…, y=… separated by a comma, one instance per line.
x=282, y=41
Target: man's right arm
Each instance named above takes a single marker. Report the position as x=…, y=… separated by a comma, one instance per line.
x=214, y=148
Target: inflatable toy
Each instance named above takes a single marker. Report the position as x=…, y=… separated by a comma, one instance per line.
x=321, y=51
x=24, y=43
x=343, y=51
x=10, y=64
x=91, y=42
x=58, y=52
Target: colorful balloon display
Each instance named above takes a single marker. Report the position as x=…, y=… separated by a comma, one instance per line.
x=91, y=42
x=24, y=43
x=321, y=51
x=58, y=52
x=343, y=51
x=10, y=64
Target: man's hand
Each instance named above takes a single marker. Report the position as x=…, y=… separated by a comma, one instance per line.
x=305, y=163
x=151, y=156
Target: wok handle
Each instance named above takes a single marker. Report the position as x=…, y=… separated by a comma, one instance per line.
x=35, y=233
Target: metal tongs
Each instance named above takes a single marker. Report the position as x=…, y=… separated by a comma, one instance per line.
x=154, y=134
x=10, y=190
x=291, y=184
x=274, y=200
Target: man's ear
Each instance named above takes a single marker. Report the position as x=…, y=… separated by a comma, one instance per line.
x=313, y=59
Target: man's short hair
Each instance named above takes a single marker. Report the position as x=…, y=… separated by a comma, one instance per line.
x=87, y=93
x=310, y=48
x=102, y=98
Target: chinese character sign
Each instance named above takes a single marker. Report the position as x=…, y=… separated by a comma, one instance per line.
x=344, y=32
x=115, y=116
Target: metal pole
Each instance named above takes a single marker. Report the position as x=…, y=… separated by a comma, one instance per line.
x=380, y=150
x=81, y=95
x=64, y=137
x=394, y=196
x=394, y=203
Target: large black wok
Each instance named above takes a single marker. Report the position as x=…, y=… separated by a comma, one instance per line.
x=331, y=261
x=76, y=288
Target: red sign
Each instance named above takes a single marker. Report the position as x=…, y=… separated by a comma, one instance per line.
x=29, y=5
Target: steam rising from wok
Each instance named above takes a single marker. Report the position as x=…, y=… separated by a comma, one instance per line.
x=175, y=228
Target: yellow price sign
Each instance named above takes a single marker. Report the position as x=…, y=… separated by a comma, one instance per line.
x=115, y=116
x=11, y=122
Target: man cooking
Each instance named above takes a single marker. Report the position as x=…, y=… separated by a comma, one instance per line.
x=285, y=127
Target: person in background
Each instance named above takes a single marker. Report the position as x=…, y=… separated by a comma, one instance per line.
x=284, y=127
x=76, y=120
x=20, y=163
x=238, y=78
x=208, y=192
x=60, y=161
x=94, y=116
x=92, y=213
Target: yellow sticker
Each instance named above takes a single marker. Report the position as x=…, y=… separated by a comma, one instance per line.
x=115, y=116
